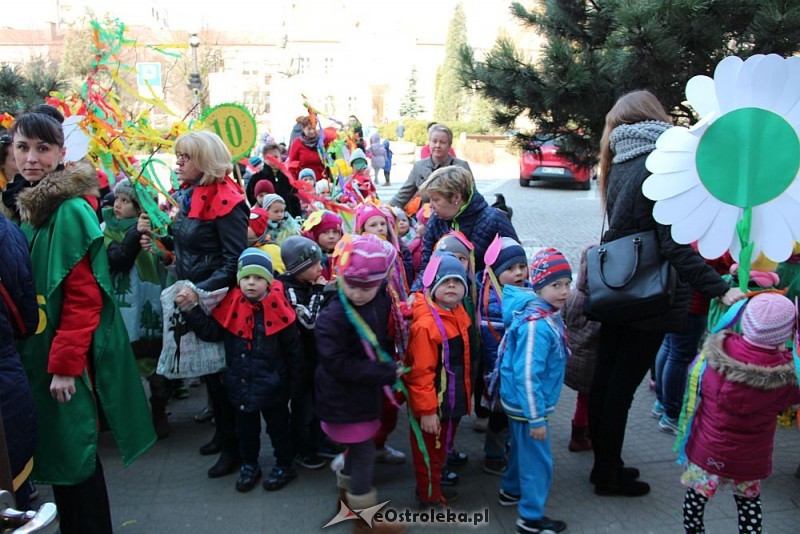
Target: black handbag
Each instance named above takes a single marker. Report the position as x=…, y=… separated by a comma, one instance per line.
x=628, y=280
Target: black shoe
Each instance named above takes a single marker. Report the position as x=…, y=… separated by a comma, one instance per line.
x=627, y=473
x=540, y=526
x=310, y=461
x=205, y=415
x=455, y=459
x=449, y=495
x=279, y=477
x=248, y=476
x=507, y=499
x=226, y=464
x=448, y=478
x=623, y=488
x=211, y=448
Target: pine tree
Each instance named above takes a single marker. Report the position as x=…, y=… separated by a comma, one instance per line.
x=410, y=107
x=596, y=50
x=24, y=88
x=450, y=93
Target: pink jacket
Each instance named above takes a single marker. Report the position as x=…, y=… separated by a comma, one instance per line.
x=744, y=388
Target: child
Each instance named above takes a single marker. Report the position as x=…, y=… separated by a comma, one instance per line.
x=303, y=284
x=748, y=380
x=387, y=168
x=371, y=219
x=308, y=176
x=404, y=231
x=439, y=379
x=531, y=370
x=264, y=364
x=354, y=343
x=378, y=155
x=359, y=186
x=138, y=278
x=280, y=223
x=257, y=225
x=262, y=189
x=325, y=230
x=416, y=245
x=509, y=268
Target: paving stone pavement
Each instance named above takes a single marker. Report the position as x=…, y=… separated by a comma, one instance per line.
x=166, y=490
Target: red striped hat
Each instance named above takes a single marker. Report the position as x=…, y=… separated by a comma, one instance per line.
x=547, y=266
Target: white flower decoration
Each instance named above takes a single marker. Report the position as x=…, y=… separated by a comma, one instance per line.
x=732, y=177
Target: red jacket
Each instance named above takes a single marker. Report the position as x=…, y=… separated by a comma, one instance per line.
x=743, y=390
x=301, y=157
x=426, y=359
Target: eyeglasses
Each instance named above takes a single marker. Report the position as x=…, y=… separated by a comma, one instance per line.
x=182, y=156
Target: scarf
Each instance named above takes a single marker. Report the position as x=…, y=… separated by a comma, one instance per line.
x=310, y=143
x=629, y=141
x=236, y=314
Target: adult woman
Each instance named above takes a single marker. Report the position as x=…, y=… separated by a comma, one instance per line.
x=79, y=362
x=440, y=138
x=303, y=152
x=627, y=351
x=209, y=234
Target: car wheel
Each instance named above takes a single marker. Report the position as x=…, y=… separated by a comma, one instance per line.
x=585, y=186
x=524, y=182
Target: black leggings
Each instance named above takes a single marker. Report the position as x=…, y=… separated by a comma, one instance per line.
x=359, y=464
x=84, y=507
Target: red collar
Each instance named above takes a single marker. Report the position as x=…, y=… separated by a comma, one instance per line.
x=210, y=202
x=236, y=314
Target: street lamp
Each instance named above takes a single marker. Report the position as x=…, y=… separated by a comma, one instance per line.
x=195, y=83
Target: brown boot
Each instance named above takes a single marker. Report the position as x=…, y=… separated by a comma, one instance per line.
x=360, y=502
x=580, y=440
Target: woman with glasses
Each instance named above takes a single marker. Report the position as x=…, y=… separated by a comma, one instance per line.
x=208, y=235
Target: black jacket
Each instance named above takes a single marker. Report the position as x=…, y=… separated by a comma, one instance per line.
x=207, y=252
x=306, y=300
x=260, y=374
x=283, y=187
x=630, y=212
x=348, y=385
x=122, y=256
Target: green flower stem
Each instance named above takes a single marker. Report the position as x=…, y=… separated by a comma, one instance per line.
x=746, y=255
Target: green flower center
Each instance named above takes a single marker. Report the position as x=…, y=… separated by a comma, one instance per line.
x=748, y=157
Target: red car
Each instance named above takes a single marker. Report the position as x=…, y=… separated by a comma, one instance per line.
x=547, y=165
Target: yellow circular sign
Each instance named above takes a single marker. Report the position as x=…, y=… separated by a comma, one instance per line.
x=235, y=126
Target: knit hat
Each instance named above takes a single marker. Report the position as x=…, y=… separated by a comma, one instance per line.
x=271, y=199
x=448, y=267
x=255, y=161
x=769, y=320
x=326, y=221
x=400, y=214
x=452, y=244
x=547, y=266
x=356, y=154
x=258, y=221
x=369, y=261
x=125, y=187
x=364, y=212
x=510, y=254
x=254, y=261
x=299, y=253
x=424, y=214
x=307, y=172
x=322, y=187
x=264, y=186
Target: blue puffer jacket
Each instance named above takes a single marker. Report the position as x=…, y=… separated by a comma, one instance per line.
x=532, y=365
x=19, y=411
x=479, y=222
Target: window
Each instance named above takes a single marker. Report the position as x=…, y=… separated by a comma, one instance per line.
x=303, y=65
x=249, y=67
x=351, y=104
x=267, y=102
x=328, y=65
x=330, y=105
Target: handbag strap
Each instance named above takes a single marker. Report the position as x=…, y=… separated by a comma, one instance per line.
x=637, y=247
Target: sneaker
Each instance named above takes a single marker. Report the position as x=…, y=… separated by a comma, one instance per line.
x=279, y=477
x=329, y=449
x=448, y=478
x=507, y=499
x=34, y=491
x=657, y=410
x=248, y=476
x=540, y=526
x=389, y=455
x=310, y=461
x=668, y=424
x=495, y=466
x=456, y=458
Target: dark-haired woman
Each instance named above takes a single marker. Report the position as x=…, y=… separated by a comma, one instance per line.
x=79, y=362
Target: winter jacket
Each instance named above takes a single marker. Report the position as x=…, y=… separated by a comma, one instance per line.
x=583, y=336
x=430, y=388
x=419, y=173
x=743, y=390
x=491, y=314
x=532, y=364
x=283, y=187
x=415, y=246
x=377, y=152
x=262, y=372
x=306, y=299
x=207, y=252
x=16, y=401
x=479, y=222
x=387, y=167
x=301, y=157
x=630, y=212
x=348, y=385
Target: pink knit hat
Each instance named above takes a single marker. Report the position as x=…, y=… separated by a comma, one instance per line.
x=327, y=221
x=367, y=210
x=769, y=320
x=369, y=261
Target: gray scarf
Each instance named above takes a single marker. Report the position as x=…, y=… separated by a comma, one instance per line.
x=629, y=141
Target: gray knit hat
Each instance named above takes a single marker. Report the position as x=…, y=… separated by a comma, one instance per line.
x=299, y=253
x=125, y=187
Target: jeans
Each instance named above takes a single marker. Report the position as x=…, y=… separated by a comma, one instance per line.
x=248, y=430
x=623, y=359
x=676, y=353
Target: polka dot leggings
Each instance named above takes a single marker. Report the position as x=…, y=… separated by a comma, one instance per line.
x=748, y=512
